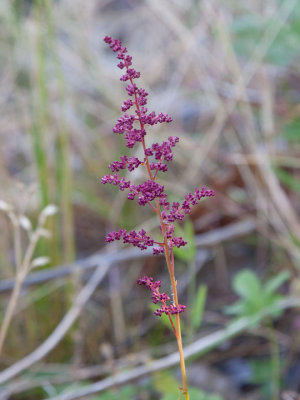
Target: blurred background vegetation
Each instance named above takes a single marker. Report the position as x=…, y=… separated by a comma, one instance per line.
x=228, y=73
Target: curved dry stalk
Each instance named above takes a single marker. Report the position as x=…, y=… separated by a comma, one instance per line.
x=199, y=346
x=61, y=329
x=106, y=260
x=23, y=268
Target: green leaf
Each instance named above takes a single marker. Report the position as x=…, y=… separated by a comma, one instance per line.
x=273, y=284
x=164, y=318
x=200, y=395
x=261, y=371
x=247, y=29
x=288, y=179
x=247, y=284
x=188, y=252
x=256, y=297
x=194, y=393
x=126, y=392
x=246, y=24
x=237, y=308
x=198, y=306
x=165, y=383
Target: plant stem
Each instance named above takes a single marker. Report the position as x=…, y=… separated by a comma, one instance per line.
x=275, y=362
x=170, y=265
x=178, y=328
x=21, y=275
x=10, y=310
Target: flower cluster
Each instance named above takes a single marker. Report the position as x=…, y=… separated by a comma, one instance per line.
x=137, y=239
x=158, y=297
x=126, y=162
x=163, y=151
x=157, y=155
x=179, y=211
x=116, y=180
x=146, y=192
x=125, y=123
x=132, y=124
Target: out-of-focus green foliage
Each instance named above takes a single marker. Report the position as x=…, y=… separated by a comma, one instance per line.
x=195, y=394
x=249, y=29
x=166, y=384
x=288, y=180
x=198, y=306
x=126, y=392
x=261, y=374
x=255, y=296
x=188, y=252
x=291, y=131
x=164, y=318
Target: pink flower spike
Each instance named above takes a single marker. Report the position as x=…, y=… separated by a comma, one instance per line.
x=156, y=156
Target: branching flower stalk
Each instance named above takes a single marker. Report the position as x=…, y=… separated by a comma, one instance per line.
x=150, y=193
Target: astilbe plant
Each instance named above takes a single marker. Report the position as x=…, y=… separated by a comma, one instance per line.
x=150, y=193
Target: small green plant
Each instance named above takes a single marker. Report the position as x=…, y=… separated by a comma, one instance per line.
x=255, y=296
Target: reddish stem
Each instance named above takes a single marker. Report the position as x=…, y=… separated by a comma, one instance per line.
x=170, y=264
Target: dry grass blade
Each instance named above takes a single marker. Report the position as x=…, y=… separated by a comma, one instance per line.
x=25, y=262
